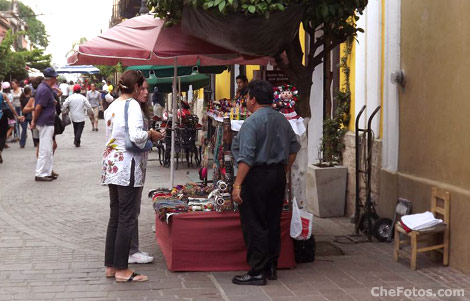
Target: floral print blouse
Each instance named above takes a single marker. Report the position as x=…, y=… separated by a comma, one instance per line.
x=116, y=159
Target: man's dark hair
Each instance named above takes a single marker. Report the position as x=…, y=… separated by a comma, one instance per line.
x=261, y=90
x=242, y=78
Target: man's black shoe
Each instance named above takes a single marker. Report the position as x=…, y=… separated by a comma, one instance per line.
x=248, y=279
x=271, y=272
x=43, y=179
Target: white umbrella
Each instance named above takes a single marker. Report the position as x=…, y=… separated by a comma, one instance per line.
x=83, y=69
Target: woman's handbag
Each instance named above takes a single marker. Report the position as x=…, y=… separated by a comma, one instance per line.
x=59, y=126
x=129, y=145
x=8, y=113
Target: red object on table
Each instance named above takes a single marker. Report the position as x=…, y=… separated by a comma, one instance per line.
x=213, y=241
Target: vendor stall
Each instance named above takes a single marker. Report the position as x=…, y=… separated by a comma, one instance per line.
x=212, y=241
x=187, y=212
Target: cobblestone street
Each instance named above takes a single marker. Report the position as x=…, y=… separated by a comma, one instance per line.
x=52, y=243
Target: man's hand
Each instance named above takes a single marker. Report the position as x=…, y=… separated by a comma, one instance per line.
x=33, y=125
x=236, y=196
x=21, y=118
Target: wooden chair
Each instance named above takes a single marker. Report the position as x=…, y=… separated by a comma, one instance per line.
x=440, y=207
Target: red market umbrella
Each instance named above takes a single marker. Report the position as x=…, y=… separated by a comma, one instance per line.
x=144, y=40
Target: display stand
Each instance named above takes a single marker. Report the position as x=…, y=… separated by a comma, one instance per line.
x=213, y=241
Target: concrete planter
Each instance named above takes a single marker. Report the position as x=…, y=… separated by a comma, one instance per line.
x=326, y=190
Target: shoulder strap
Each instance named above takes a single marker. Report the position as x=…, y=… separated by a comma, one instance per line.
x=126, y=109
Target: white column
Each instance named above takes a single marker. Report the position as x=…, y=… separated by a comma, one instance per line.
x=360, y=72
x=374, y=59
x=315, y=124
x=368, y=64
x=391, y=104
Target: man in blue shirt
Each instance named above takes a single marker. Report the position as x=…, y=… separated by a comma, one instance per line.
x=43, y=120
x=264, y=150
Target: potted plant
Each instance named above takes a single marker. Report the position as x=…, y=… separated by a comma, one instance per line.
x=326, y=180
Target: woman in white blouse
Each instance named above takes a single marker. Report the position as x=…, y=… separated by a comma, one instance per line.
x=124, y=173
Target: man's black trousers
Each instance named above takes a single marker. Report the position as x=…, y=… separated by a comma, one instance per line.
x=77, y=130
x=263, y=193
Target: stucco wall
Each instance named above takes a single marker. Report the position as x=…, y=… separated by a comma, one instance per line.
x=434, y=109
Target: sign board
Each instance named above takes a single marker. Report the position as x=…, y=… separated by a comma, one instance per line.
x=276, y=77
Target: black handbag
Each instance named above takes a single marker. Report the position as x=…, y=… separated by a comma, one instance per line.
x=8, y=113
x=59, y=126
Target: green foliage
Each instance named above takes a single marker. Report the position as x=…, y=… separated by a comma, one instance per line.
x=75, y=45
x=335, y=128
x=36, y=31
x=108, y=71
x=172, y=9
x=36, y=59
x=13, y=64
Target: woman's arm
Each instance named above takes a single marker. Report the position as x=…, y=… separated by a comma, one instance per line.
x=137, y=134
x=29, y=107
x=12, y=109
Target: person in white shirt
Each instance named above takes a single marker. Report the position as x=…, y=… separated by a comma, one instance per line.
x=94, y=98
x=105, y=86
x=135, y=255
x=64, y=87
x=77, y=105
x=124, y=173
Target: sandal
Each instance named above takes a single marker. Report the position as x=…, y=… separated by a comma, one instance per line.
x=111, y=275
x=133, y=278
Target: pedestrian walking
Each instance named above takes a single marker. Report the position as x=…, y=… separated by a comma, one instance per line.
x=77, y=105
x=16, y=92
x=6, y=88
x=94, y=98
x=24, y=99
x=43, y=120
x=64, y=88
x=135, y=255
x=158, y=103
x=124, y=173
x=265, y=148
x=6, y=110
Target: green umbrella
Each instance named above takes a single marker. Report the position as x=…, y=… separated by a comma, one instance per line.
x=164, y=85
x=167, y=71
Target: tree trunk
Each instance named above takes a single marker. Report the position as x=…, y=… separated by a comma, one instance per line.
x=299, y=169
x=303, y=105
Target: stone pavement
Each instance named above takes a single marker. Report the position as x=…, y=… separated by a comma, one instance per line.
x=52, y=241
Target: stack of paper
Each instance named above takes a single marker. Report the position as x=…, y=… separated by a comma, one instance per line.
x=420, y=221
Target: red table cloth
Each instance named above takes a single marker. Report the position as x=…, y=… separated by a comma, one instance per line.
x=213, y=241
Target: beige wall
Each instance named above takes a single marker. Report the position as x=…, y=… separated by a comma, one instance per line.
x=434, y=116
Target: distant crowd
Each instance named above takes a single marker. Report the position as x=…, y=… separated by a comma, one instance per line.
x=18, y=102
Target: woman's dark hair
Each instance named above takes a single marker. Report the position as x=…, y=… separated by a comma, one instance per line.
x=144, y=106
x=71, y=82
x=16, y=82
x=36, y=81
x=26, y=90
x=128, y=81
x=24, y=98
x=261, y=90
